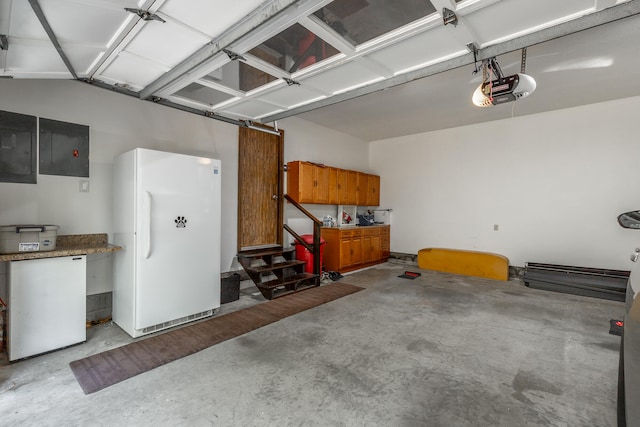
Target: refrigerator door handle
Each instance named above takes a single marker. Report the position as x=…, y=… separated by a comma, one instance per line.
x=147, y=197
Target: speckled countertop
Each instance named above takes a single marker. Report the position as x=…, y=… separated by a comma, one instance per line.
x=68, y=245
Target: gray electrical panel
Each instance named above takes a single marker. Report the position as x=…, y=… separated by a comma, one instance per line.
x=18, y=148
x=64, y=148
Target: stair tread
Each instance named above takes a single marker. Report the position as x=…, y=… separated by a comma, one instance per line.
x=273, y=267
x=282, y=292
x=287, y=280
x=256, y=253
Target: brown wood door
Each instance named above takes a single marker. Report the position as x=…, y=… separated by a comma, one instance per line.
x=260, y=192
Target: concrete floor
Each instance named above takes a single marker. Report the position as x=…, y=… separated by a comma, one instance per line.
x=440, y=350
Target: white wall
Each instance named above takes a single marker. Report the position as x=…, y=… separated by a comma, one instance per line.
x=307, y=141
x=119, y=123
x=554, y=184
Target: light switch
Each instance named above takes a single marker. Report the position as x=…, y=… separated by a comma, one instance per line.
x=84, y=186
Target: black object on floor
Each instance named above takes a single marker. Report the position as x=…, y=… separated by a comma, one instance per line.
x=113, y=366
x=615, y=327
x=334, y=275
x=410, y=275
x=590, y=282
x=230, y=288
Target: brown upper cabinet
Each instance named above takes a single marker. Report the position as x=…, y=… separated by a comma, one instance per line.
x=312, y=183
x=308, y=182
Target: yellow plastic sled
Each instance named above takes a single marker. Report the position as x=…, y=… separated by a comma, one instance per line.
x=469, y=263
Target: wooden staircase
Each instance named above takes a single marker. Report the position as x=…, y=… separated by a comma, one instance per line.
x=276, y=272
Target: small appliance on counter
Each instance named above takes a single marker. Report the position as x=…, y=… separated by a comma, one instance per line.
x=382, y=216
x=365, y=219
x=27, y=238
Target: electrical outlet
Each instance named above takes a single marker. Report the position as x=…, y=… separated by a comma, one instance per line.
x=84, y=185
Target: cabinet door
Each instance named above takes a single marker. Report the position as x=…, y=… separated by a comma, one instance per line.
x=361, y=196
x=385, y=243
x=321, y=184
x=352, y=188
x=300, y=181
x=356, y=250
x=341, y=184
x=331, y=250
x=373, y=190
x=332, y=183
x=345, y=252
x=367, y=249
x=376, y=248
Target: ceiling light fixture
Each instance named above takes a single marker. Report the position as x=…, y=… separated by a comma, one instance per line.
x=502, y=89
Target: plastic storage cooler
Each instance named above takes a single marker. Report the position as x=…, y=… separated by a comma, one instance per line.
x=27, y=238
x=303, y=253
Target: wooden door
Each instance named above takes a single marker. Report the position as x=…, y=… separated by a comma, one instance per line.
x=260, y=192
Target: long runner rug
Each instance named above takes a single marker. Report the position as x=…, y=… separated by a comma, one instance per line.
x=113, y=366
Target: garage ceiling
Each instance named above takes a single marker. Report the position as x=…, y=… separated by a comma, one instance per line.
x=370, y=68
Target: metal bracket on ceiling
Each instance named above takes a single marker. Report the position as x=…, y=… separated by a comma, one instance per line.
x=145, y=15
x=233, y=56
x=4, y=42
x=449, y=17
x=474, y=49
x=523, y=60
x=291, y=82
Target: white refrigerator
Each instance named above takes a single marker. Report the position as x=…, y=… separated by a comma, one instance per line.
x=167, y=220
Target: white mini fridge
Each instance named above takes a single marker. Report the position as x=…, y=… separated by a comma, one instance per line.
x=167, y=220
x=47, y=305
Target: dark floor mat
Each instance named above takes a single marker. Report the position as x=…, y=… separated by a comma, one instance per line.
x=110, y=367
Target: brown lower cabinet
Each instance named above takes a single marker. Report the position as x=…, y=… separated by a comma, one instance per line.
x=350, y=248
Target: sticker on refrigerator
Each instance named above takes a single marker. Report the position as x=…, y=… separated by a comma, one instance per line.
x=181, y=222
x=215, y=171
